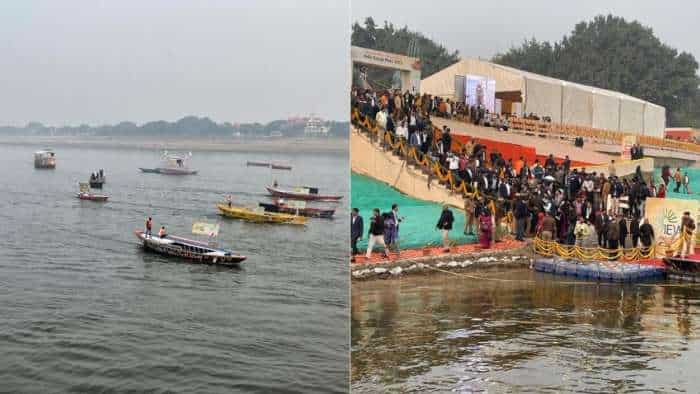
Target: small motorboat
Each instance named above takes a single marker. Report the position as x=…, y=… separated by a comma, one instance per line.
x=172, y=165
x=259, y=215
x=257, y=164
x=301, y=193
x=45, y=159
x=297, y=207
x=198, y=252
x=86, y=194
x=280, y=167
x=97, y=180
x=274, y=166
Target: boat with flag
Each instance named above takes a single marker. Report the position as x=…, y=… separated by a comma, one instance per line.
x=172, y=164
x=259, y=215
x=301, y=193
x=86, y=194
x=297, y=207
x=195, y=251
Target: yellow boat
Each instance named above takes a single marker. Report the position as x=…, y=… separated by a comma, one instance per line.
x=259, y=215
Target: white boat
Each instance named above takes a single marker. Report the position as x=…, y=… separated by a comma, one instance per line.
x=172, y=164
x=45, y=158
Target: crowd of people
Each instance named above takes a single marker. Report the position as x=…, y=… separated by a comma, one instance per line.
x=548, y=199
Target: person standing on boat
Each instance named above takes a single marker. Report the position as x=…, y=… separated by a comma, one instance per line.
x=687, y=234
x=376, y=233
x=149, y=227
x=229, y=200
x=356, y=229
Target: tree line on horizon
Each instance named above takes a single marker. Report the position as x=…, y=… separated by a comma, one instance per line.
x=608, y=52
x=189, y=126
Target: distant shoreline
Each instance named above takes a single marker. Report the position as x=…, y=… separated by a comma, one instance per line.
x=287, y=145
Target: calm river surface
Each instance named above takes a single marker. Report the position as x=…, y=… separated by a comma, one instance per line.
x=84, y=309
x=521, y=331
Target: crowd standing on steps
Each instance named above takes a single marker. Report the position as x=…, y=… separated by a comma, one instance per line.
x=550, y=199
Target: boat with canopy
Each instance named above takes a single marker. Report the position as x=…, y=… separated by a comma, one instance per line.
x=195, y=251
x=301, y=193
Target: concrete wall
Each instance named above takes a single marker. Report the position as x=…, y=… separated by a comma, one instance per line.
x=368, y=159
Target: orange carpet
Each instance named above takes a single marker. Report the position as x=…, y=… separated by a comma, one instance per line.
x=407, y=254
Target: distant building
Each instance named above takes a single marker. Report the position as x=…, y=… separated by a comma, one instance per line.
x=316, y=126
x=687, y=134
x=276, y=134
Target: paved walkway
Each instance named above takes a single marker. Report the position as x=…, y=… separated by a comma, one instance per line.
x=436, y=251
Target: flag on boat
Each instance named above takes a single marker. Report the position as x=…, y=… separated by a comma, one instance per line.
x=203, y=228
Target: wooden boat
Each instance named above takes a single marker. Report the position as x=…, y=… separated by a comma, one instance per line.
x=257, y=164
x=195, y=251
x=45, y=159
x=92, y=197
x=86, y=194
x=686, y=269
x=297, y=207
x=172, y=165
x=301, y=193
x=259, y=215
x=274, y=166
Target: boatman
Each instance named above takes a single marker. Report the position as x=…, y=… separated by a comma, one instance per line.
x=149, y=227
x=162, y=233
x=229, y=199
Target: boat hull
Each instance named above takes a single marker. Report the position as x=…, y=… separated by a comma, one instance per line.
x=259, y=217
x=92, y=197
x=169, y=171
x=684, y=269
x=308, y=212
x=301, y=196
x=176, y=249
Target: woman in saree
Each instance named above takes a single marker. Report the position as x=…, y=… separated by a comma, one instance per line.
x=485, y=228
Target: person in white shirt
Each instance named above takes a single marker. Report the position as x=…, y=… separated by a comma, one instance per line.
x=402, y=131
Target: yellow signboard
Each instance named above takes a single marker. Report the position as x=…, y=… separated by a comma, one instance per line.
x=665, y=215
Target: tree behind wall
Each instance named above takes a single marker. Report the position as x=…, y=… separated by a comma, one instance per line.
x=434, y=57
x=612, y=53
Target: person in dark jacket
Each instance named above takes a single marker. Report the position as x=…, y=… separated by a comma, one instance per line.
x=446, y=140
x=445, y=225
x=634, y=230
x=646, y=234
x=376, y=233
x=521, y=214
x=356, y=229
x=623, y=230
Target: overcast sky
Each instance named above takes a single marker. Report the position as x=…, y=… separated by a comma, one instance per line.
x=95, y=62
x=484, y=28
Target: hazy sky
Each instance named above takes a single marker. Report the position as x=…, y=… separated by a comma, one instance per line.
x=484, y=28
x=72, y=62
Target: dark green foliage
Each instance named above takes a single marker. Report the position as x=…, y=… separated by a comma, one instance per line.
x=612, y=53
x=434, y=57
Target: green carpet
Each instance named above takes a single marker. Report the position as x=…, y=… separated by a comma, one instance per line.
x=418, y=228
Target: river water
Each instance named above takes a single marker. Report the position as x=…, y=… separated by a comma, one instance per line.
x=84, y=309
x=522, y=331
